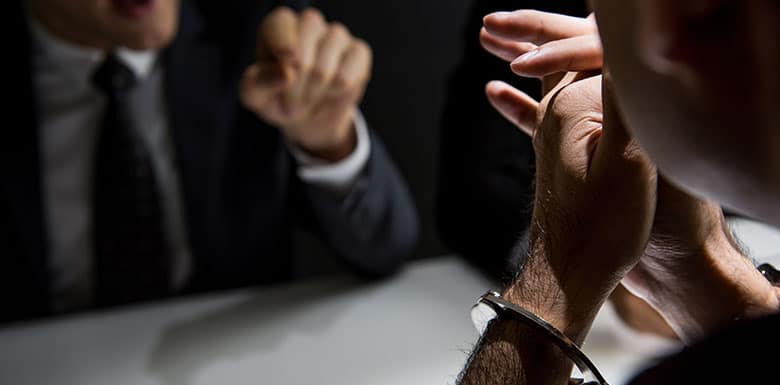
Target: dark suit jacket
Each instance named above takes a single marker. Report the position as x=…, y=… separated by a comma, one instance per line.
x=240, y=190
x=486, y=165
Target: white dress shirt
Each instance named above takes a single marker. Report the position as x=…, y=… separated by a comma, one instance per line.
x=69, y=113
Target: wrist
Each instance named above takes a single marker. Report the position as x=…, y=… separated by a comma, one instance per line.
x=513, y=353
x=709, y=288
x=331, y=151
x=330, y=145
x=567, y=315
x=566, y=298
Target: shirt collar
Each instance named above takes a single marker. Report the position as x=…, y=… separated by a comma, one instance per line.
x=56, y=53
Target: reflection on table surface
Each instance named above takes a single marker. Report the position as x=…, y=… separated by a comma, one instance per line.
x=411, y=329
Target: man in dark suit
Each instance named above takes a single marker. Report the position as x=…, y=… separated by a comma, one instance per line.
x=158, y=147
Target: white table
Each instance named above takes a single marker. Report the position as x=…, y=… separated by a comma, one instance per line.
x=412, y=329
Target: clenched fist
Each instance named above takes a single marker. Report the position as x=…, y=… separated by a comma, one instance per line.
x=307, y=80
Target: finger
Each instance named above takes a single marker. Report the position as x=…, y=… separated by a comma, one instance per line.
x=278, y=37
x=330, y=52
x=615, y=131
x=260, y=84
x=618, y=156
x=503, y=48
x=354, y=71
x=536, y=27
x=581, y=53
x=312, y=29
x=514, y=105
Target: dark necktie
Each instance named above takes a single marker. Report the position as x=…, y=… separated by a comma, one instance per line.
x=132, y=254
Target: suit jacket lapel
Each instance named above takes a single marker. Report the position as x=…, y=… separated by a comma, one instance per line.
x=199, y=101
x=20, y=163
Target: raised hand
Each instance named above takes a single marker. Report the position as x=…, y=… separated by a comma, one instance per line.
x=595, y=197
x=690, y=259
x=542, y=45
x=307, y=80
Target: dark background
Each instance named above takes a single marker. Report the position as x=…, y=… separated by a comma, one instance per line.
x=417, y=44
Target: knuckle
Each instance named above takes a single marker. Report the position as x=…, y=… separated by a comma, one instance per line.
x=545, y=135
x=337, y=29
x=364, y=51
x=559, y=110
x=540, y=114
x=363, y=47
x=312, y=15
x=319, y=75
x=527, y=18
x=307, y=67
x=526, y=13
x=341, y=82
x=633, y=153
x=539, y=30
x=537, y=141
x=281, y=12
x=565, y=97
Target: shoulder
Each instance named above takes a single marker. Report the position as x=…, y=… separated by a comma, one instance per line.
x=735, y=356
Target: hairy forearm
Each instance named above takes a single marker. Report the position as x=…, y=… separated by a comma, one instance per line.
x=512, y=353
x=716, y=286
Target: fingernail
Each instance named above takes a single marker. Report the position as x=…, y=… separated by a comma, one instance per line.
x=526, y=57
x=495, y=15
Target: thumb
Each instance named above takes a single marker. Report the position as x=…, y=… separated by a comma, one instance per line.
x=278, y=36
x=618, y=151
x=615, y=131
x=620, y=169
x=619, y=161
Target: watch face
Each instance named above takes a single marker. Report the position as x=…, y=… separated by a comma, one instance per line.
x=481, y=315
x=770, y=273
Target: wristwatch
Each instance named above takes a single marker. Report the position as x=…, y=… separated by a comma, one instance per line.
x=491, y=306
x=770, y=273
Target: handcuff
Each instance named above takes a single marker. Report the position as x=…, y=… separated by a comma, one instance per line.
x=491, y=306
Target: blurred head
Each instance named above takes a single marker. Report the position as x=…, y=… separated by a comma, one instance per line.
x=698, y=83
x=106, y=24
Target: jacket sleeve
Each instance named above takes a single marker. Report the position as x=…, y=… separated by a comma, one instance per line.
x=374, y=227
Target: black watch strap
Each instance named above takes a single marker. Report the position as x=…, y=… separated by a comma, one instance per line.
x=770, y=273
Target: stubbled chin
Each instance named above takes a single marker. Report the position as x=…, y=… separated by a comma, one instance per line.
x=149, y=37
x=146, y=43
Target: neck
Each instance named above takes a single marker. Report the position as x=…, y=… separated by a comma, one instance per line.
x=60, y=25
